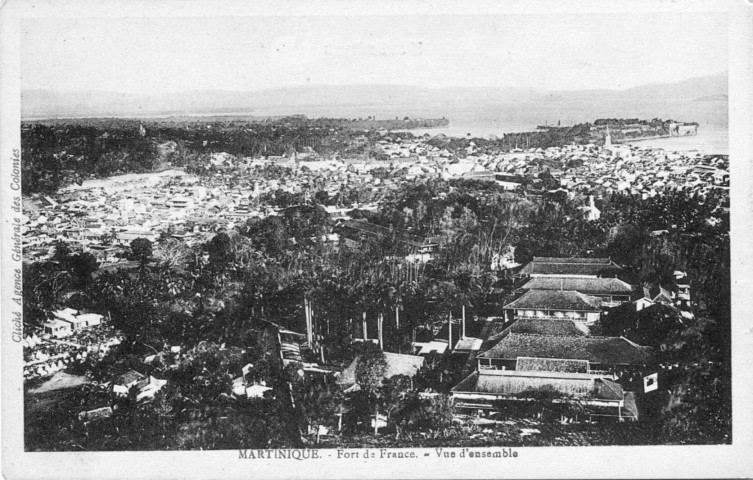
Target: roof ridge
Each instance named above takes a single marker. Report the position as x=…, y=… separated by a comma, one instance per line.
x=632, y=343
x=572, y=336
x=607, y=384
x=545, y=335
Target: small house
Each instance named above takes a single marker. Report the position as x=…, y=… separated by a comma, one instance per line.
x=122, y=384
x=58, y=328
x=149, y=387
x=89, y=319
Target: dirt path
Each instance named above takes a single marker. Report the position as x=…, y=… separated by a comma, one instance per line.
x=60, y=381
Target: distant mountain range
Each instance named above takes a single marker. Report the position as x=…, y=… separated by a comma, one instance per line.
x=703, y=97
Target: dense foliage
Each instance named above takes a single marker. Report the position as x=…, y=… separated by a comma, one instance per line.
x=214, y=300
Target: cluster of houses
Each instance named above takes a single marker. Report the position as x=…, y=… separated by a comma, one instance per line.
x=143, y=387
x=546, y=343
x=68, y=337
x=602, y=169
x=103, y=216
x=67, y=321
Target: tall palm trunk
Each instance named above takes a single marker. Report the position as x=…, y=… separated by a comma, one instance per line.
x=397, y=329
x=463, y=321
x=307, y=313
x=380, y=330
x=449, y=330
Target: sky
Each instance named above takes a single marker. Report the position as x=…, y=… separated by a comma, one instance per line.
x=543, y=52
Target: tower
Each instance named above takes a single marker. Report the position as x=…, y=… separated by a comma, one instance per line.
x=608, y=139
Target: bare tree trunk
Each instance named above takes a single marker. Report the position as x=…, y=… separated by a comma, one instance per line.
x=449, y=330
x=380, y=328
x=308, y=321
x=463, y=321
x=310, y=324
x=365, y=336
x=314, y=336
x=376, y=420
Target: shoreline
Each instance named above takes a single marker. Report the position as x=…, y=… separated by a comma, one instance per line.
x=655, y=137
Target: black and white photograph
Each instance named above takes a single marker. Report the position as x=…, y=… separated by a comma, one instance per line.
x=387, y=236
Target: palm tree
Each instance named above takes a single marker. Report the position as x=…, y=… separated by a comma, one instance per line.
x=447, y=297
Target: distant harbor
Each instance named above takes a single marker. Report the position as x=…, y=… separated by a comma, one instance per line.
x=707, y=141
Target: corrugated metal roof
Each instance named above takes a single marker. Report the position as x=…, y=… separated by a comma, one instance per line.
x=469, y=343
x=512, y=383
x=291, y=351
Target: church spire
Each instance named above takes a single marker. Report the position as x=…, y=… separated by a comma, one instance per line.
x=608, y=139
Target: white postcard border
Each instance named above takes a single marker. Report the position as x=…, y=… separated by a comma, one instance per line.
x=734, y=460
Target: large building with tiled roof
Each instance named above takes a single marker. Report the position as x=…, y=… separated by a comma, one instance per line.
x=602, y=353
x=554, y=304
x=597, y=393
x=554, y=360
x=565, y=327
x=612, y=291
x=570, y=267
